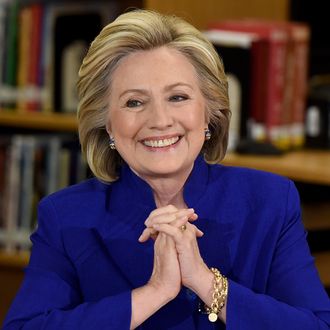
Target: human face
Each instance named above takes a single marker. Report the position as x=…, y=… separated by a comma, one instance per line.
x=157, y=112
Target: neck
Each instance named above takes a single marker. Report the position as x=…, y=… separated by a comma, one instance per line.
x=168, y=190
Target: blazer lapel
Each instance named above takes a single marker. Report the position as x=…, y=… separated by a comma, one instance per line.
x=214, y=245
x=120, y=236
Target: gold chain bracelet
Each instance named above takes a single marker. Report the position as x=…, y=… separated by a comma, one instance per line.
x=219, y=295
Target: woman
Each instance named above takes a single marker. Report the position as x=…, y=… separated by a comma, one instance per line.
x=162, y=239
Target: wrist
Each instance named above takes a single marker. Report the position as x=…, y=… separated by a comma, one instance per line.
x=203, y=285
x=163, y=294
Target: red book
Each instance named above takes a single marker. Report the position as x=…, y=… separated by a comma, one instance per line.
x=35, y=57
x=270, y=52
x=300, y=36
x=24, y=46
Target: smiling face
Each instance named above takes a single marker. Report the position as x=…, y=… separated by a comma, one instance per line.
x=157, y=113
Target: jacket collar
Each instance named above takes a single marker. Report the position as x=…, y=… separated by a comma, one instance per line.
x=140, y=193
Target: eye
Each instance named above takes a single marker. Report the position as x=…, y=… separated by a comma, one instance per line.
x=178, y=98
x=133, y=103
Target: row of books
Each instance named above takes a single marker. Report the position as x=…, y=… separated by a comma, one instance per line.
x=32, y=167
x=42, y=45
x=267, y=67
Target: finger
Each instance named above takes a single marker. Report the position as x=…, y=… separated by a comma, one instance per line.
x=177, y=222
x=170, y=217
x=176, y=231
x=183, y=220
x=198, y=232
x=193, y=217
x=166, y=209
x=146, y=234
x=151, y=231
x=170, y=230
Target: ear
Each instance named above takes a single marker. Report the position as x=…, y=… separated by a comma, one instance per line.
x=207, y=123
x=107, y=127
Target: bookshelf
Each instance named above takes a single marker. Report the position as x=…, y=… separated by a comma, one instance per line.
x=310, y=166
x=38, y=121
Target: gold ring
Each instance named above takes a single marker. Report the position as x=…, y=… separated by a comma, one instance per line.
x=183, y=228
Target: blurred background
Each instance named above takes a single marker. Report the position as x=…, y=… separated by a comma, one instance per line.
x=276, y=55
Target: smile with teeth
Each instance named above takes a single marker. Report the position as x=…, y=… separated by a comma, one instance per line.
x=161, y=143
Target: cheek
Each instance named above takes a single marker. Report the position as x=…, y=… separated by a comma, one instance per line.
x=195, y=120
x=123, y=125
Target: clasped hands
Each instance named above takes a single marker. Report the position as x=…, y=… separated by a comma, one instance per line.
x=177, y=260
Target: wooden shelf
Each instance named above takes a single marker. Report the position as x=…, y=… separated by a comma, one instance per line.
x=39, y=121
x=310, y=166
x=322, y=261
x=14, y=259
x=316, y=216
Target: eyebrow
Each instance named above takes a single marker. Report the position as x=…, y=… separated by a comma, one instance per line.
x=178, y=84
x=145, y=91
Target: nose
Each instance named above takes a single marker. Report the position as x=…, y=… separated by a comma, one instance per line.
x=160, y=116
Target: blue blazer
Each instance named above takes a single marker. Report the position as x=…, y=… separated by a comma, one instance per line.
x=86, y=258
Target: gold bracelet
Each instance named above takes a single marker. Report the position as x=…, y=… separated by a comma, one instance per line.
x=219, y=295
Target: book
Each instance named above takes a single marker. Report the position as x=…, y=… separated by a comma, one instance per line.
x=11, y=43
x=64, y=24
x=72, y=57
x=24, y=52
x=12, y=193
x=43, y=46
x=2, y=40
x=53, y=146
x=31, y=167
x=269, y=58
x=300, y=36
x=8, y=92
x=3, y=159
x=25, y=207
x=33, y=81
x=235, y=49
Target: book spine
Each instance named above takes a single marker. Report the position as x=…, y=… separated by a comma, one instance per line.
x=257, y=118
x=33, y=70
x=24, y=46
x=52, y=164
x=2, y=42
x=11, y=45
x=3, y=159
x=9, y=66
x=301, y=38
x=26, y=192
x=276, y=86
x=12, y=195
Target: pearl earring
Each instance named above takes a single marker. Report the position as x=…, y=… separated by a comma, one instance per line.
x=112, y=143
x=207, y=134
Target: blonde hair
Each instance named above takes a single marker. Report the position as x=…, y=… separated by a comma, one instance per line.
x=145, y=30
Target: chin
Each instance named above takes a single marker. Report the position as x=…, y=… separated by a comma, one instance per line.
x=168, y=168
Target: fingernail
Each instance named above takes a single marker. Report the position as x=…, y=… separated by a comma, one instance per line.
x=155, y=226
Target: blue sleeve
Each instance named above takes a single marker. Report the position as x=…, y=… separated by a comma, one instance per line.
x=49, y=297
x=295, y=297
